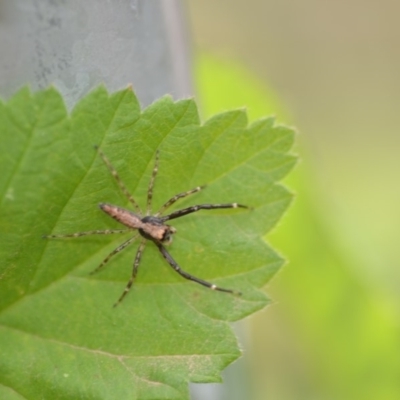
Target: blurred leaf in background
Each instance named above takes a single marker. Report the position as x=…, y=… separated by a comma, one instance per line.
x=333, y=334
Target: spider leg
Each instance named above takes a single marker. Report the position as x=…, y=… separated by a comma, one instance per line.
x=78, y=234
x=113, y=253
x=189, y=210
x=134, y=271
x=186, y=275
x=151, y=184
x=121, y=185
x=172, y=200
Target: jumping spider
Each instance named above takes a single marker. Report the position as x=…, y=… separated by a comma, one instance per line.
x=150, y=227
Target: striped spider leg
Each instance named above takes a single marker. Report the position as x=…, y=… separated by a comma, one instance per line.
x=149, y=227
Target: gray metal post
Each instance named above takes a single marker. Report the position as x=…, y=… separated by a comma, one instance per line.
x=76, y=45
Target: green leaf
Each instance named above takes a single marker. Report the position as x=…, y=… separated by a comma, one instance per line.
x=59, y=335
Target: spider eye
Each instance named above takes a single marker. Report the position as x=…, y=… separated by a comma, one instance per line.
x=167, y=237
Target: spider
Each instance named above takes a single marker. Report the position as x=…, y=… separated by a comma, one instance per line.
x=149, y=227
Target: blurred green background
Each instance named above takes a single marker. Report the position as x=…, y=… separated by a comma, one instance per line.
x=332, y=70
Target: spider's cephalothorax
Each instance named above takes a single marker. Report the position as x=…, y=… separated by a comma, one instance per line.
x=150, y=227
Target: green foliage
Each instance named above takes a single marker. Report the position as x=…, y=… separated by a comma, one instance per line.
x=59, y=335
x=333, y=321
x=225, y=84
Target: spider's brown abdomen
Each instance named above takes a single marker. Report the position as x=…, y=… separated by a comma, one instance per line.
x=125, y=217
